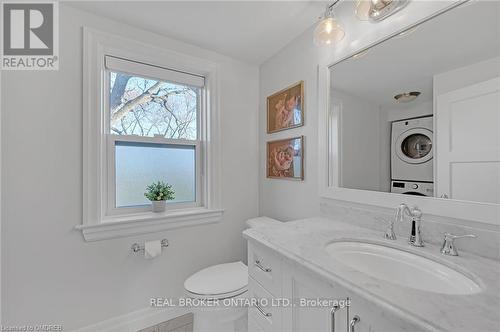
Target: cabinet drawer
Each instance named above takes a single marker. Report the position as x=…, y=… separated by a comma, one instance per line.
x=265, y=315
x=265, y=267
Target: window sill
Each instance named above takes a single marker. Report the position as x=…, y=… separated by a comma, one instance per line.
x=148, y=222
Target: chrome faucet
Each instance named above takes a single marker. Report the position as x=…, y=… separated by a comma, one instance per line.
x=448, y=247
x=415, y=238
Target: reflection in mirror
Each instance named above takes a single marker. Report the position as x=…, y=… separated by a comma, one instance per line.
x=419, y=113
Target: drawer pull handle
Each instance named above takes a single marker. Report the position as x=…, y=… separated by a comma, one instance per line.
x=265, y=314
x=259, y=265
x=332, y=317
x=355, y=320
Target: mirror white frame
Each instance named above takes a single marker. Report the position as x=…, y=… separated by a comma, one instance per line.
x=328, y=133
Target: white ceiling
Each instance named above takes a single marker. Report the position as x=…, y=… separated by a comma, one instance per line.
x=460, y=37
x=251, y=31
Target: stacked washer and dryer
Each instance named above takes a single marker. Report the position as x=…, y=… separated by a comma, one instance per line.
x=412, y=157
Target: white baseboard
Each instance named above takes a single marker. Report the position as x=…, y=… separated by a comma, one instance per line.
x=136, y=320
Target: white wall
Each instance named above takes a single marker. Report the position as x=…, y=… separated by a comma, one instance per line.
x=409, y=111
x=300, y=60
x=359, y=153
x=285, y=199
x=465, y=76
x=49, y=273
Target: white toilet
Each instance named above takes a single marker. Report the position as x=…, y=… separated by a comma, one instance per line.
x=220, y=287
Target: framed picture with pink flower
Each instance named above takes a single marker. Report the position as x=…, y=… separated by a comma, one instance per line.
x=285, y=109
x=285, y=159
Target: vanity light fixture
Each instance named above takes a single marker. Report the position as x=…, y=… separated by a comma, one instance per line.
x=328, y=31
x=362, y=9
x=407, y=97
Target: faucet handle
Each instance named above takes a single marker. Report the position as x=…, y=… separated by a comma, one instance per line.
x=416, y=212
x=448, y=247
x=453, y=237
x=389, y=232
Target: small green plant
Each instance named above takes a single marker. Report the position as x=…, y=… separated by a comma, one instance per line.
x=159, y=191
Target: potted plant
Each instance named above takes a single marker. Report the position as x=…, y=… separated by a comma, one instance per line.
x=159, y=193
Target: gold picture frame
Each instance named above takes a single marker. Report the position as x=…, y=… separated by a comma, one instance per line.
x=285, y=159
x=285, y=108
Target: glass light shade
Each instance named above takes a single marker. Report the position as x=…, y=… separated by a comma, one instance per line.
x=362, y=10
x=380, y=4
x=328, y=32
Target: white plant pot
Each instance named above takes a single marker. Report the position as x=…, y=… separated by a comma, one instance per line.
x=159, y=206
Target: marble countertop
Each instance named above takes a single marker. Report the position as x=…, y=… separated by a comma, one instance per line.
x=303, y=241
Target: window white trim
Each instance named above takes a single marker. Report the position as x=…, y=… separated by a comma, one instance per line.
x=148, y=222
x=155, y=72
x=97, y=223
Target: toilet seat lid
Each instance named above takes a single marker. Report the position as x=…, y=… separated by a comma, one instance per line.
x=218, y=279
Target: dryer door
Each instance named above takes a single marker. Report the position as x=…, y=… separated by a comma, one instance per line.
x=414, y=193
x=414, y=146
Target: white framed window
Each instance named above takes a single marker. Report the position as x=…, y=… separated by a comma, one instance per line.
x=153, y=126
x=150, y=115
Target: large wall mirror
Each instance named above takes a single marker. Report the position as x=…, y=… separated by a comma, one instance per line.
x=419, y=114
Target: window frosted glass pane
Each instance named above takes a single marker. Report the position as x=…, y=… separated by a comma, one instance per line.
x=140, y=164
x=148, y=107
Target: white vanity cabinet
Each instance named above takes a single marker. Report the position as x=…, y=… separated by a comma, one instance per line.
x=276, y=279
x=265, y=287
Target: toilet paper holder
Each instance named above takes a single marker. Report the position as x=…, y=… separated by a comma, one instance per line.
x=136, y=247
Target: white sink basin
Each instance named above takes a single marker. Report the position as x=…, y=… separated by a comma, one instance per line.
x=401, y=268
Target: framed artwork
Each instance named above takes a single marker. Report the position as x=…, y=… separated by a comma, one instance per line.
x=285, y=109
x=285, y=159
